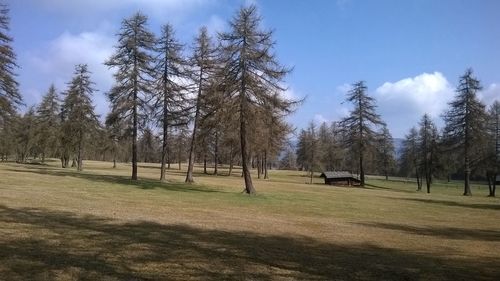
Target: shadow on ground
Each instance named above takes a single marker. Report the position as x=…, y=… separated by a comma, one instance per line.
x=39, y=244
x=454, y=204
x=441, y=232
x=116, y=179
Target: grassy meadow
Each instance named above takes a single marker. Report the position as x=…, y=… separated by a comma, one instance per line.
x=59, y=224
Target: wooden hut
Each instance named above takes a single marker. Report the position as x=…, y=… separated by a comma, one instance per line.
x=340, y=178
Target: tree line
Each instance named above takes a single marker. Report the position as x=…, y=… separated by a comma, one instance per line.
x=468, y=145
x=220, y=100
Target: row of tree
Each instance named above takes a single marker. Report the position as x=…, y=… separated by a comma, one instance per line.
x=469, y=143
x=224, y=99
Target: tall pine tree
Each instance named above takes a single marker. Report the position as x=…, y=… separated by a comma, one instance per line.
x=10, y=97
x=132, y=62
x=358, y=127
x=80, y=120
x=465, y=123
x=253, y=75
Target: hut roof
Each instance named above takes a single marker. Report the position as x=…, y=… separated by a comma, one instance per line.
x=336, y=175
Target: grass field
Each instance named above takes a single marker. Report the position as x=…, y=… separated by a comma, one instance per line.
x=58, y=224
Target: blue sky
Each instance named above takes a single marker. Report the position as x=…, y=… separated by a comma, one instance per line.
x=410, y=53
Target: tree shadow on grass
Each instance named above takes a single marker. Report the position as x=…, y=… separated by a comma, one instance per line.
x=38, y=244
x=379, y=187
x=454, y=204
x=442, y=232
x=116, y=179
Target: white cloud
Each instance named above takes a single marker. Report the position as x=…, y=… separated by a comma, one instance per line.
x=320, y=119
x=402, y=103
x=489, y=94
x=57, y=59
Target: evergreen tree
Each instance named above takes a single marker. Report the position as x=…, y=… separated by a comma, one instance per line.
x=465, y=124
x=428, y=141
x=49, y=123
x=410, y=156
x=385, y=152
x=25, y=135
x=80, y=120
x=133, y=77
x=10, y=97
x=493, y=147
x=204, y=61
x=171, y=72
x=253, y=75
x=358, y=126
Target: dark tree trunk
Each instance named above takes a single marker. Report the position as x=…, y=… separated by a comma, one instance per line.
x=361, y=170
x=216, y=153
x=419, y=182
x=192, y=147
x=164, y=151
x=259, y=167
x=230, y=160
x=205, y=163
x=80, y=160
x=266, y=175
x=249, y=189
x=134, y=140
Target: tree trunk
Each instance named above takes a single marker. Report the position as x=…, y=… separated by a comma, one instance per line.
x=216, y=153
x=490, y=183
x=205, y=163
x=259, y=167
x=230, y=160
x=467, y=190
x=43, y=157
x=134, y=139
x=79, y=166
x=492, y=192
x=164, y=151
x=361, y=170
x=249, y=189
x=266, y=175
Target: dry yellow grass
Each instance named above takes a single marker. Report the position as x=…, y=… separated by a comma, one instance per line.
x=57, y=224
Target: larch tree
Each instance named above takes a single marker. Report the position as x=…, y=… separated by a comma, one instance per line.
x=115, y=131
x=25, y=134
x=80, y=120
x=10, y=97
x=385, y=152
x=428, y=141
x=48, y=120
x=358, y=127
x=204, y=62
x=253, y=74
x=465, y=123
x=132, y=62
x=170, y=97
x=493, y=147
